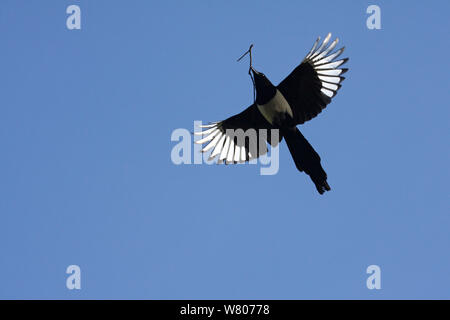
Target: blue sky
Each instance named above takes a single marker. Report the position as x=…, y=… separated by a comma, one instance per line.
x=86, y=175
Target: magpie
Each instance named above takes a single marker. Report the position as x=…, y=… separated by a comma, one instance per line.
x=300, y=97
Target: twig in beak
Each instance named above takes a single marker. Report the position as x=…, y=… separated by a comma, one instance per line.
x=249, y=51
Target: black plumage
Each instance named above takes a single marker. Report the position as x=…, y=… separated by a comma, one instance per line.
x=301, y=96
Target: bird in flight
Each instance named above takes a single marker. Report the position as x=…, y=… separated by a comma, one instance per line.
x=300, y=97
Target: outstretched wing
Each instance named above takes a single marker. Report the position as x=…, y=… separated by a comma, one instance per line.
x=310, y=87
x=236, y=146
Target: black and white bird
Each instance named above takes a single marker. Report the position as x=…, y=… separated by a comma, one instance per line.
x=298, y=98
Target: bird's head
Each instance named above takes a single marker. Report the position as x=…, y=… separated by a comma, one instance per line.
x=265, y=90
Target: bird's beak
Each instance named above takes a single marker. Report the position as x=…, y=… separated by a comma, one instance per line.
x=255, y=73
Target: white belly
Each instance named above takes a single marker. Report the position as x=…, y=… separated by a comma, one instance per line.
x=275, y=108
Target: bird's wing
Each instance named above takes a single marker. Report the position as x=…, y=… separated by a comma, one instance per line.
x=310, y=87
x=236, y=146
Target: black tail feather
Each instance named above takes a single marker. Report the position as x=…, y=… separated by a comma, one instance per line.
x=306, y=158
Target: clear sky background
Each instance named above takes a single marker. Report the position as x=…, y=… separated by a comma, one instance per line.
x=86, y=175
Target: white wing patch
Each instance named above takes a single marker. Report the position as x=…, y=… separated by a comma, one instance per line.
x=326, y=66
x=224, y=146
